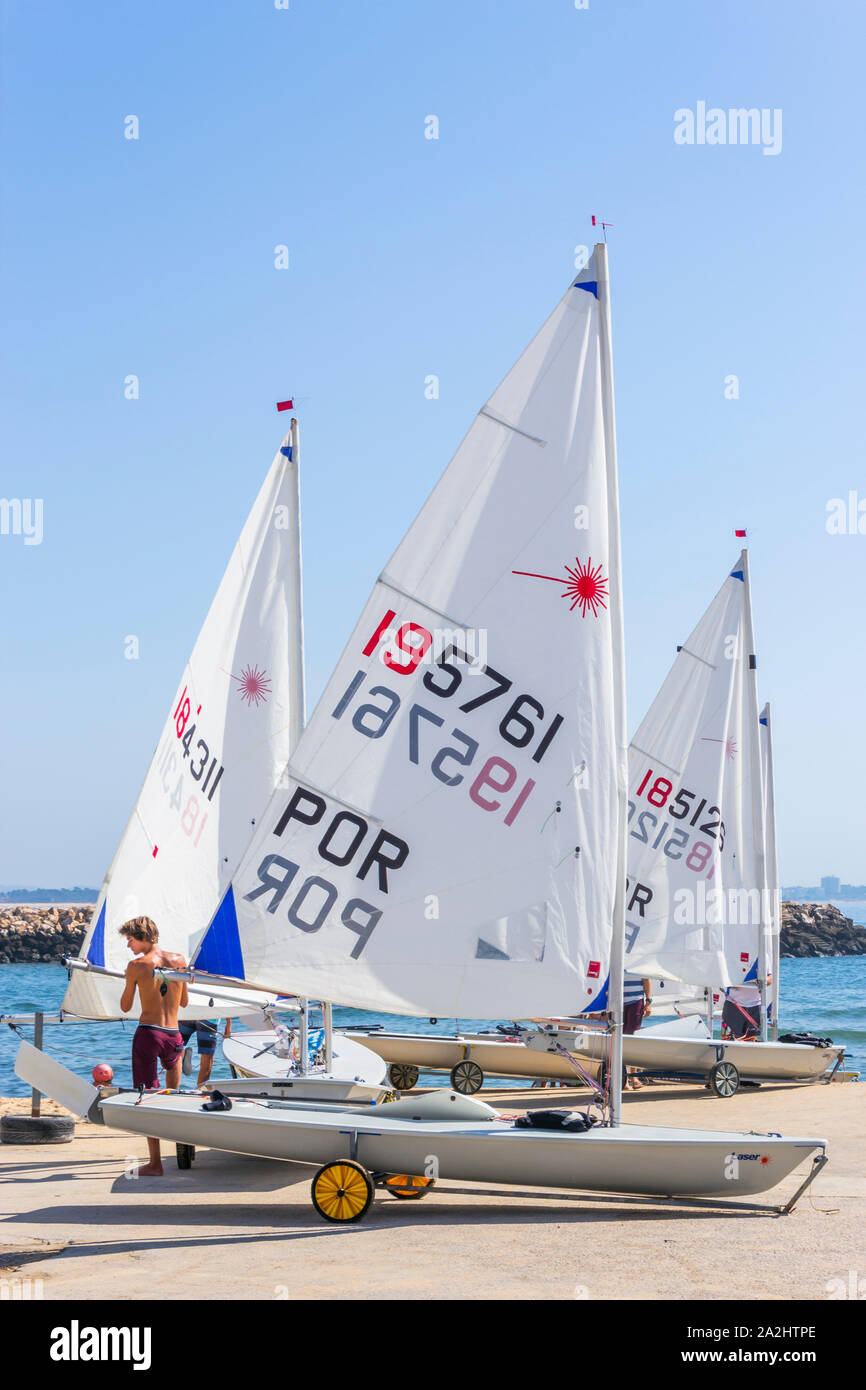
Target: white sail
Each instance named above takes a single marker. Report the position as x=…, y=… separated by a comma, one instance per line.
x=223, y=747
x=448, y=842
x=695, y=876
x=772, y=860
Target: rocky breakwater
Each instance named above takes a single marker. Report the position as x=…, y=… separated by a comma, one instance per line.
x=29, y=935
x=817, y=929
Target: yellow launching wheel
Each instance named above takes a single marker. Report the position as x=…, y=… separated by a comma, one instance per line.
x=410, y=1188
x=342, y=1190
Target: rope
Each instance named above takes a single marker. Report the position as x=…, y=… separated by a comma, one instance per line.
x=748, y=1016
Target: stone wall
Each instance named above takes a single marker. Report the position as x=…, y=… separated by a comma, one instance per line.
x=817, y=929
x=31, y=934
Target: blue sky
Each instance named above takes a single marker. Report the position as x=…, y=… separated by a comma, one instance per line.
x=411, y=257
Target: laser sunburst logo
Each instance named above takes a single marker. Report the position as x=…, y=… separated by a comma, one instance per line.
x=584, y=585
x=255, y=687
x=730, y=745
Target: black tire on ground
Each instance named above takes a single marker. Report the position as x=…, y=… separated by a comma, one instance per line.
x=724, y=1080
x=185, y=1155
x=467, y=1077
x=403, y=1076
x=37, y=1129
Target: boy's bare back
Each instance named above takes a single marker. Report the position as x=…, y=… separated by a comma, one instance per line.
x=158, y=1008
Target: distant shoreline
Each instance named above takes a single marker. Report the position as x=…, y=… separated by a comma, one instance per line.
x=43, y=897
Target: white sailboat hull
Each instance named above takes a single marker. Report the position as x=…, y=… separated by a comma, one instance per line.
x=496, y=1056
x=356, y=1074
x=755, y=1061
x=681, y=1047
x=630, y=1159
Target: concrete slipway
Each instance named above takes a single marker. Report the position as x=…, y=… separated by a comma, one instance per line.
x=235, y=1227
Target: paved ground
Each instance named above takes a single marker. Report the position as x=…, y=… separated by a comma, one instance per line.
x=237, y=1227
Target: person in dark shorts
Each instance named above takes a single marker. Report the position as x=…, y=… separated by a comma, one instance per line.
x=741, y=1012
x=156, y=1038
x=206, y=1032
x=636, y=1005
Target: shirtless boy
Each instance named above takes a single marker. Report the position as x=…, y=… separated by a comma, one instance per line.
x=156, y=1038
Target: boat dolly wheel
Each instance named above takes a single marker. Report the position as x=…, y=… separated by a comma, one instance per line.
x=403, y=1076
x=467, y=1077
x=405, y=1186
x=342, y=1190
x=724, y=1079
x=185, y=1155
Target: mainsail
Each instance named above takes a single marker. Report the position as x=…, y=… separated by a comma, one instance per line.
x=223, y=747
x=449, y=839
x=695, y=841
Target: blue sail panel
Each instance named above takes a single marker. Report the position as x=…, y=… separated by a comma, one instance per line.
x=220, y=950
x=96, y=949
x=599, y=1003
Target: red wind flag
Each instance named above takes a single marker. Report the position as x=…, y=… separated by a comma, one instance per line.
x=285, y=405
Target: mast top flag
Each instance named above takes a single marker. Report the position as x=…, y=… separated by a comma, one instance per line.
x=223, y=748
x=450, y=836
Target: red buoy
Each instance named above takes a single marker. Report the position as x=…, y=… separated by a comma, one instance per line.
x=102, y=1074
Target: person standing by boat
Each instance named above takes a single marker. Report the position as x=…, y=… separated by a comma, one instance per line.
x=206, y=1034
x=741, y=1013
x=636, y=1005
x=156, y=1038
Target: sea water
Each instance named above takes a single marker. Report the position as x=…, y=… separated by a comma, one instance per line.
x=823, y=996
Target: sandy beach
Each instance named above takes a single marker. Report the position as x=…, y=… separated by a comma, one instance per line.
x=235, y=1227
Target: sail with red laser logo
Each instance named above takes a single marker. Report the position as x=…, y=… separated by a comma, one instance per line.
x=450, y=835
x=221, y=752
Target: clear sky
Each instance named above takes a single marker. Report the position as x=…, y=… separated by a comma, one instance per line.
x=305, y=126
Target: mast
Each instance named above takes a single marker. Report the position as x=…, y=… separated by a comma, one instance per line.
x=617, y=947
x=297, y=714
x=772, y=868
x=757, y=792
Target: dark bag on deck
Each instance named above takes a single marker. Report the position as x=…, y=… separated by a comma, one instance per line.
x=574, y=1121
x=218, y=1101
x=808, y=1038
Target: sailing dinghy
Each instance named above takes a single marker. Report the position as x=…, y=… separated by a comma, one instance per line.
x=702, y=857
x=229, y=730
x=701, y=900
x=450, y=837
